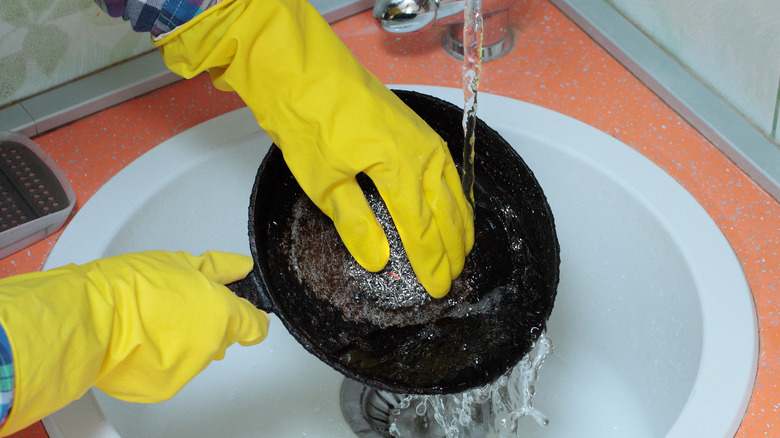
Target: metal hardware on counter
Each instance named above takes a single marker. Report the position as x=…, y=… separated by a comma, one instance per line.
x=407, y=16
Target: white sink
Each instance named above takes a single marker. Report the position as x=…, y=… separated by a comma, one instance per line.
x=654, y=325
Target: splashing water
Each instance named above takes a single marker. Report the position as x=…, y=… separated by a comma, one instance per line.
x=494, y=409
x=497, y=407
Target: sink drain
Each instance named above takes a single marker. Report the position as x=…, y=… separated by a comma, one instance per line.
x=371, y=412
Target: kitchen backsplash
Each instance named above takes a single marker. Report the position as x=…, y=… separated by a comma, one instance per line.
x=46, y=43
x=731, y=45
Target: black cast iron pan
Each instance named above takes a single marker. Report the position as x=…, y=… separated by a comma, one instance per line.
x=410, y=343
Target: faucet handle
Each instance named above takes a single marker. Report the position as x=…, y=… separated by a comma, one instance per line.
x=405, y=16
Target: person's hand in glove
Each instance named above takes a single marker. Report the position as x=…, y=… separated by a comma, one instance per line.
x=333, y=119
x=137, y=326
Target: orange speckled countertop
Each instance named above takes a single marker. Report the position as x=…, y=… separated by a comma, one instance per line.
x=554, y=65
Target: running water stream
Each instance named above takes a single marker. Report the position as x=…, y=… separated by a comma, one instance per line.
x=472, y=66
x=497, y=408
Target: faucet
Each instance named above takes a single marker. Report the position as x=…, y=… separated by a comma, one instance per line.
x=407, y=16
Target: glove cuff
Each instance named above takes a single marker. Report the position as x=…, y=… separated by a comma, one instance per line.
x=158, y=40
x=46, y=379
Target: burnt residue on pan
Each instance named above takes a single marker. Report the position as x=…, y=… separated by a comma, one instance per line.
x=402, y=340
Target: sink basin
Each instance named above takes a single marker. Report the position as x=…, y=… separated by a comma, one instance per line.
x=654, y=325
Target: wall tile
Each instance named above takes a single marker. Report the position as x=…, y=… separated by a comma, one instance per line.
x=731, y=45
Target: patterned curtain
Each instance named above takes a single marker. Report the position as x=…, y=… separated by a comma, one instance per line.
x=46, y=43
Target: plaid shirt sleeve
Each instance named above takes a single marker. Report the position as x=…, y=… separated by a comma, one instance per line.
x=155, y=16
x=6, y=377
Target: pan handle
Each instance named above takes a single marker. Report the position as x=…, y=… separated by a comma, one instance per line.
x=251, y=288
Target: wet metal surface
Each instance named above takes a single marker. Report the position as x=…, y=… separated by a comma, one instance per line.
x=487, y=322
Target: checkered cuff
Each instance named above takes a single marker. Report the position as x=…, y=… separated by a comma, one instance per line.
x=6, y=377
x=155, y=16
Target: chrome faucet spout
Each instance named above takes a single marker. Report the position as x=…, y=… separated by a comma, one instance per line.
x=407, y=16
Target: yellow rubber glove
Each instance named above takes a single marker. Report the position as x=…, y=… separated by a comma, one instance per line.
x=333, y=119
x=137, y=326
